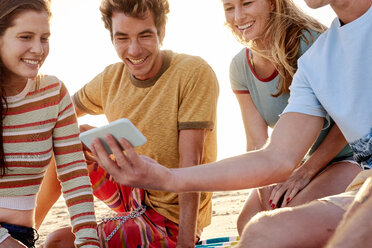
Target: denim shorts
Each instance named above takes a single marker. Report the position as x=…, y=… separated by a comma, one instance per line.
x=26, y=235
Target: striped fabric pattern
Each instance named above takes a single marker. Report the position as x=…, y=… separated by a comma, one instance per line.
x=151, y=229
x=41, y=121
x=108, y=190
x=218, y=242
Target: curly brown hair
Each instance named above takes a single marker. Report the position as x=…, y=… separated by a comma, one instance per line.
x=137, y=9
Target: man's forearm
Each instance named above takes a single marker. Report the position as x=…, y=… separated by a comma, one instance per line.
x=271, y=164
x=249, y=170
x=191, y=146
x=189, y=209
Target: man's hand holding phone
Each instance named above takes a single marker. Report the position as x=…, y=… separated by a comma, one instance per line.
x=121, y=128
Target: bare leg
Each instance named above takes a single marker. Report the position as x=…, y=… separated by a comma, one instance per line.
x=308, y=225
x=334, y=180
x=61, y=238
x=49, y=193
x=251, y=207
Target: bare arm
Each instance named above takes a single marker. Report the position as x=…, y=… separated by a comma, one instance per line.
x=333, y=143
x=328, y=149
x=292, y=136
x=290, y=140
x=254, y=125
x=48, y=194
x=191, y=143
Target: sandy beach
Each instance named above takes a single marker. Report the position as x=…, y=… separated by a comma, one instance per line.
x=226, y=207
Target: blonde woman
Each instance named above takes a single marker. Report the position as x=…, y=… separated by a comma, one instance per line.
x=276, y=33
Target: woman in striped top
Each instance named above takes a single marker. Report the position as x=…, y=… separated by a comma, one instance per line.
x=37, y=121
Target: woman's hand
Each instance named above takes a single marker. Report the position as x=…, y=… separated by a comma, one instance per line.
x=129, y=168
x=298, y=180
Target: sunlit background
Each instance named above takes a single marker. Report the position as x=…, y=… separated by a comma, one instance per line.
x=81, y=48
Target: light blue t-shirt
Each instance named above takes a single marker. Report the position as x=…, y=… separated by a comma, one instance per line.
x=334, y=78
x=244, y=81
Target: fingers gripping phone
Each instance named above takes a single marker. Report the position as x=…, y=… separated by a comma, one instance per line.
x=121, y=128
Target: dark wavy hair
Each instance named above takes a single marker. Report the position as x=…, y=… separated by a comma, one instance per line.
x=138, y=9
x=9, y=10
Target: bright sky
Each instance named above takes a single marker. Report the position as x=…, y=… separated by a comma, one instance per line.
x=81, y=48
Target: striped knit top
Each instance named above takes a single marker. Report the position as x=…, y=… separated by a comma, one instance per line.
x=41, y=121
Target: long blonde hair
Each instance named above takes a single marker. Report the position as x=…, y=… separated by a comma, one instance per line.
x=284, y=31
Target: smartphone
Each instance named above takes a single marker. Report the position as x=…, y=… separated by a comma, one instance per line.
x=121, y=128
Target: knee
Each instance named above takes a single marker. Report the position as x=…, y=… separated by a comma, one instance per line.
x=259, y=223
x=260, y=231
x=61, y=238
x=251, y=207
x=241, y=222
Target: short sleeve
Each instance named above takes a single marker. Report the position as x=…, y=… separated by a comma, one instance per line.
x=302, y=97
x=89, y=98
x=236, y=79
x=198, y=103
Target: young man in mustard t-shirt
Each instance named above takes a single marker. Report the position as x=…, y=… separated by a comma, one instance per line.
x=171, y=98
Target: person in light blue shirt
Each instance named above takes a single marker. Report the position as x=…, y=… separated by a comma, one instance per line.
x=334, y=80
x=260, y=76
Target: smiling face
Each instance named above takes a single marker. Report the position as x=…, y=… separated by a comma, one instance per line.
x=25, y=45
x=248, y=18
x=137, y=43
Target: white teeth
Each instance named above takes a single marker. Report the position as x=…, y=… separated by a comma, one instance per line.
x=33, y=62
x=245, y=26
x=136, y=61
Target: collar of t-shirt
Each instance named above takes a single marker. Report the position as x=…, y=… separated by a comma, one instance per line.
x=167, y=55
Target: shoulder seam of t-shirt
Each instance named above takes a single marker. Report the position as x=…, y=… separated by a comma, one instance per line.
x=79, y=105
x=238, y=92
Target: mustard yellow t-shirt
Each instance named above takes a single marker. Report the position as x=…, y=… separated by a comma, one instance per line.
x=182, y=96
